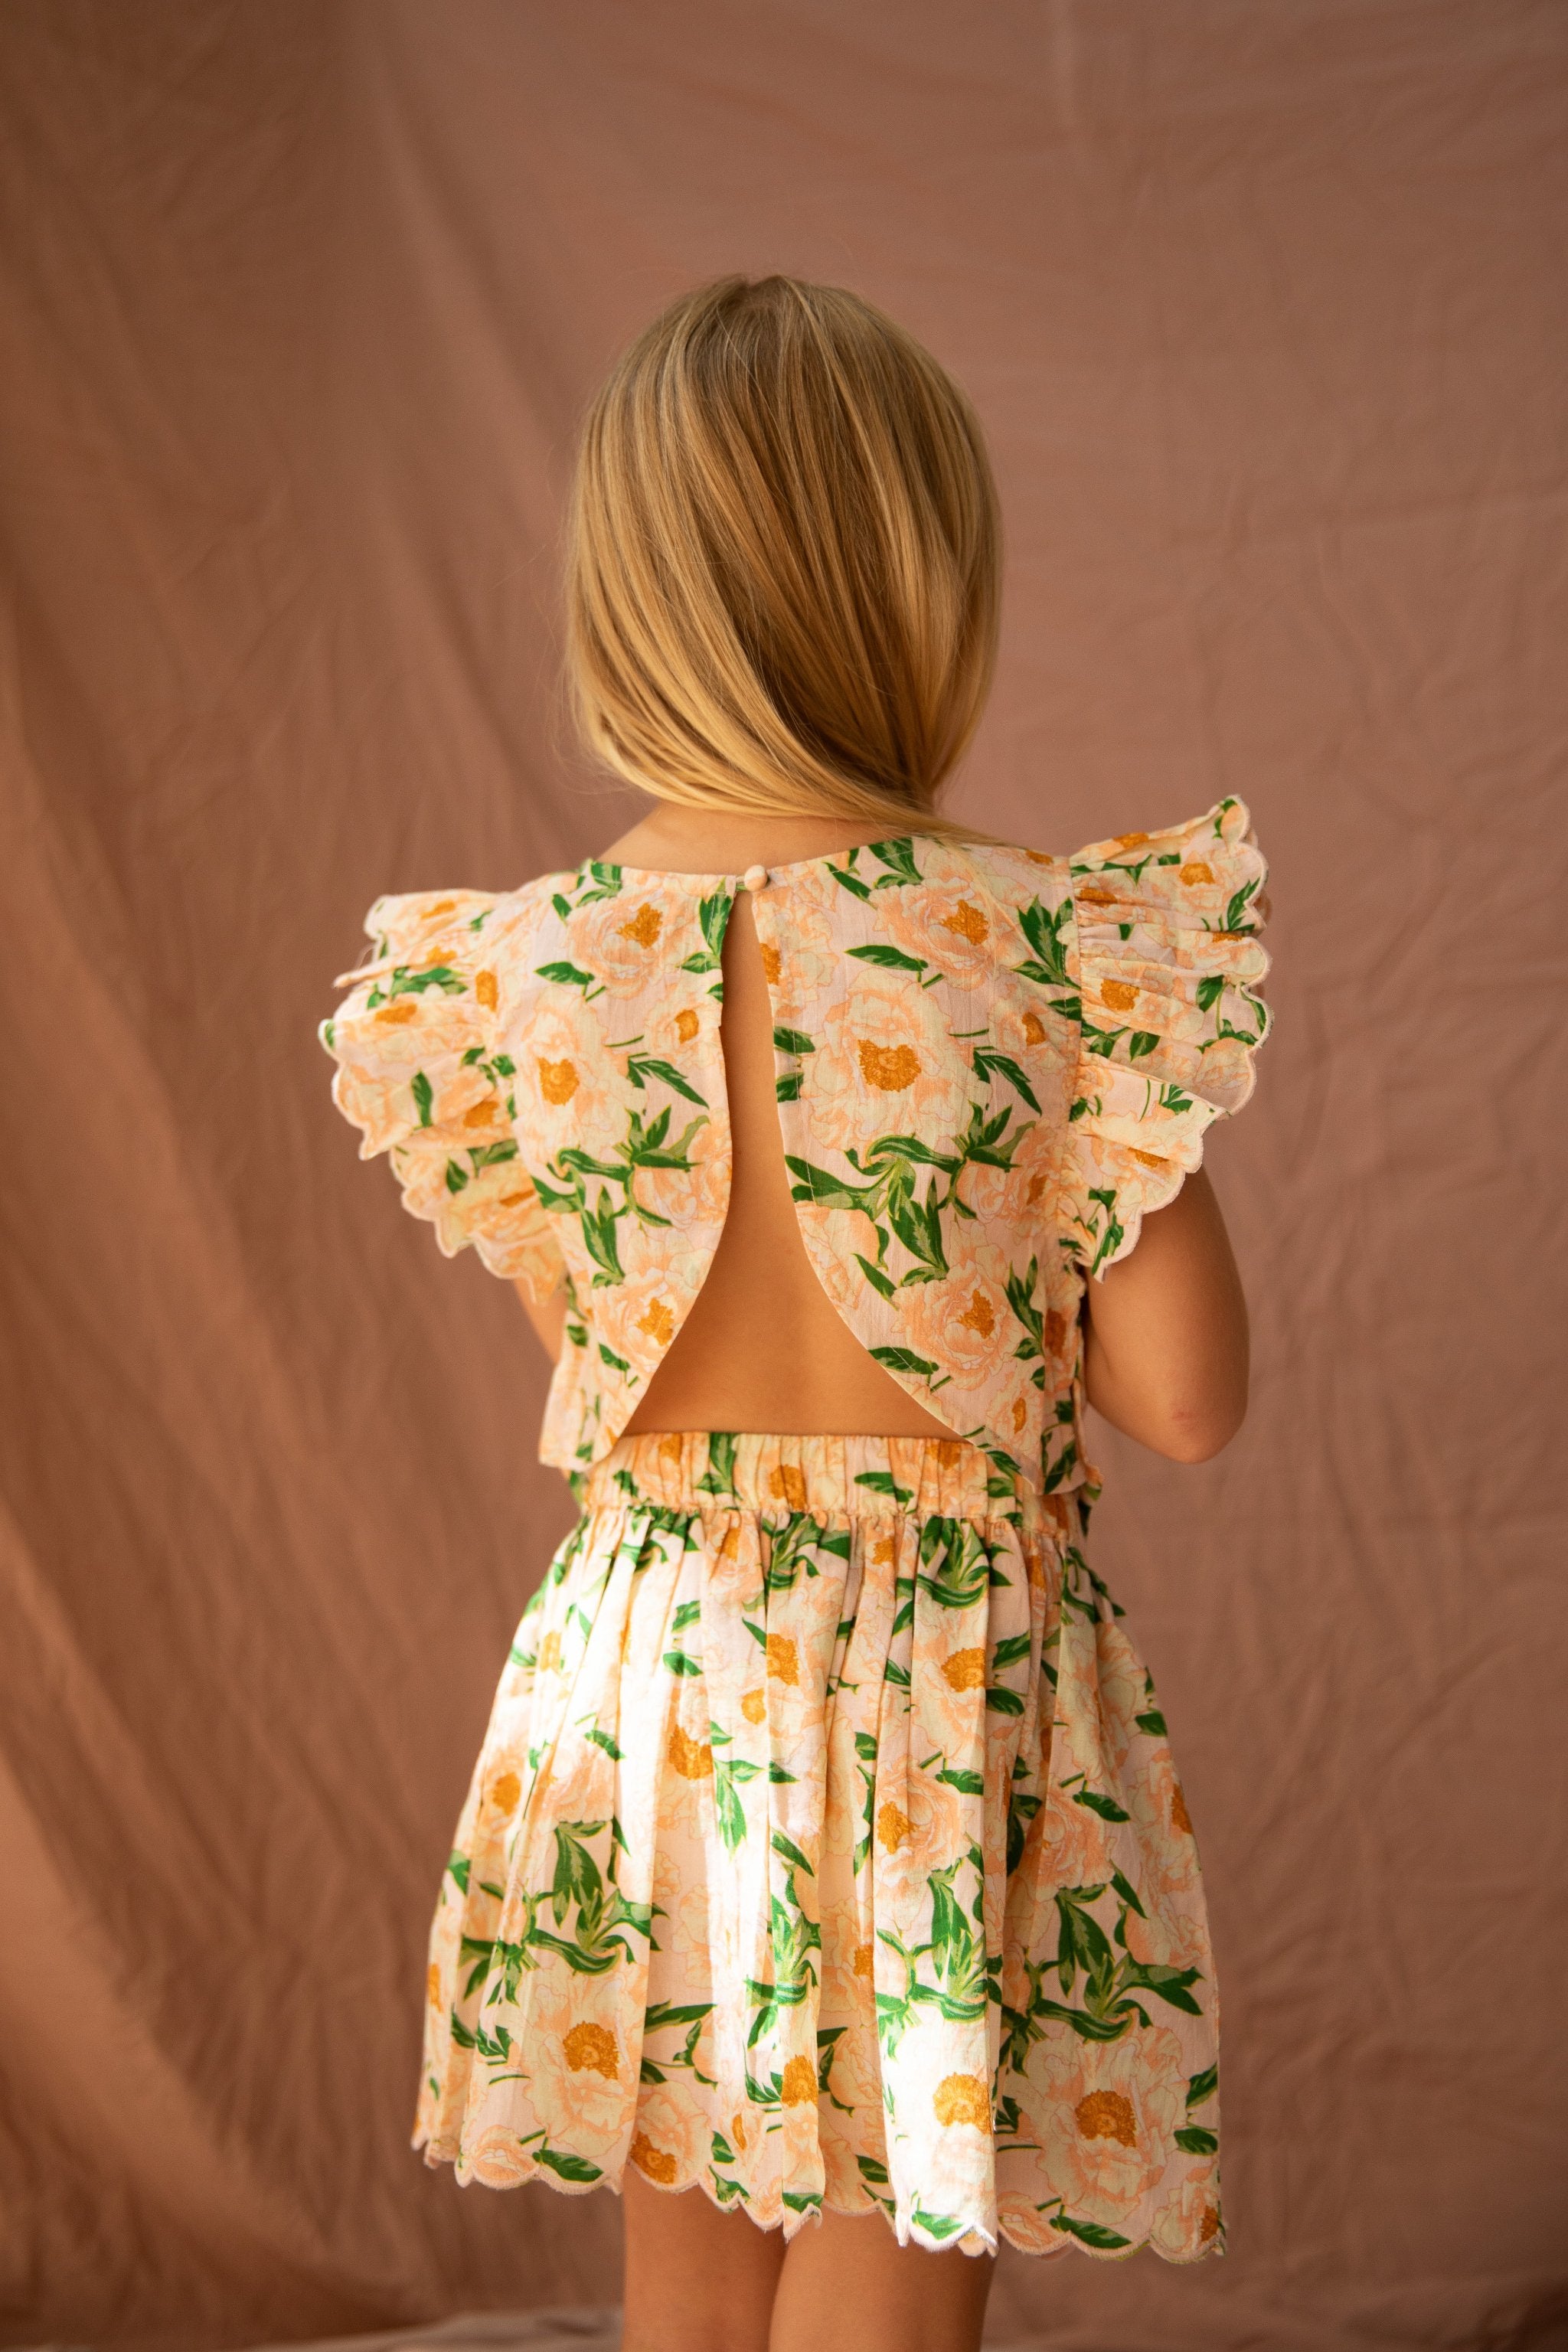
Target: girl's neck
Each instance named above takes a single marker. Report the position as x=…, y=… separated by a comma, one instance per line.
x=678, y=840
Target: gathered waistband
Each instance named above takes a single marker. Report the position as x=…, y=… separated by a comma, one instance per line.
x=835, y=1477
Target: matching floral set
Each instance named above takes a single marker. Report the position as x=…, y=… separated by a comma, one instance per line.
x=825, y=1848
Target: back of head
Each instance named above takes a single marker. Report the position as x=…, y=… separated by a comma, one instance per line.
x=782, y=583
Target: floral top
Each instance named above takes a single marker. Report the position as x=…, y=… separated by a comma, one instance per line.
x=991, y=1064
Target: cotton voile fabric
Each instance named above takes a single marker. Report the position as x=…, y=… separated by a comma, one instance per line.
x=826, y=1849
x=990, y=1063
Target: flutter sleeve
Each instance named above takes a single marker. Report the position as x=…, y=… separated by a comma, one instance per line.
x=1169, y=962
x=420, y=1076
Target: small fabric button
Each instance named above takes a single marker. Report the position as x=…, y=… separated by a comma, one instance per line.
x=755, y=877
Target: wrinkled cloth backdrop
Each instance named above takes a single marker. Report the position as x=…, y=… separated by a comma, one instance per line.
x=1258, y=300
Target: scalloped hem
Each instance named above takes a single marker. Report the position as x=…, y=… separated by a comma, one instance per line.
x=974, y=2242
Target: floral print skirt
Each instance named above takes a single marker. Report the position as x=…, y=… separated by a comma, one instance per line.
x=826, y=1849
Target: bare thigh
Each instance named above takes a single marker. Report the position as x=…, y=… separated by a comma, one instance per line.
x=702, y=2281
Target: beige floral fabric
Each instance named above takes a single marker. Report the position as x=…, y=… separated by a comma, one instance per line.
x=826, y=1849
x=990, y=1065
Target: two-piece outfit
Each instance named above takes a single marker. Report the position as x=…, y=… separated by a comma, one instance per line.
x=826, y=1847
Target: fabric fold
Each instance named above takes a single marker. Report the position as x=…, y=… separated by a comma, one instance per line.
x=825, y=1852
x=1167, y=961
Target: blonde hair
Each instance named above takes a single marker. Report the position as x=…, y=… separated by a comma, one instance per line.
x=785, y=559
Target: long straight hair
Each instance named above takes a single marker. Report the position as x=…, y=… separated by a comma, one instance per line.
x=784, y=558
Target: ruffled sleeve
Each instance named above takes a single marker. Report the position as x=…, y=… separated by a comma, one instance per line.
x=419, y=1075
x=1168, y=964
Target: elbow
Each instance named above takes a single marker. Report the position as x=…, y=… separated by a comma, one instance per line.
x=1198, y=1435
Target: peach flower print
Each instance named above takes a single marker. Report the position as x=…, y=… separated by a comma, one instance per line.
x=948, y=919
x=1106, y=2114
x=1189, y=2220
x=565, y=1084
x=580, y=2079
x=884, y=1065
x=1165, y=1828
x=623, y=942
x=963, y=1323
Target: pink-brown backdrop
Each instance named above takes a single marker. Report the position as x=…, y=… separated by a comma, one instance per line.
x=1259, y=301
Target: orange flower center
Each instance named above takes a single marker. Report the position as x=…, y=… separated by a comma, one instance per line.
x=962, y=2099
x=1107, y=2115
x=888, y=1068
x=784, y=1663
x=754, y=1705
x=1209, y=2225
x=788, y=1484
x=1131, y=840
x=1034, y=1029
x=797, y=2085
x=979, y=1315
x=550, y=1653
x=669, y=1446
x=692, y=1759
x=968, y=922
x=1119, y=995
x=506, y=1791
x=864, y=1960
x=483, y=1114
x=773, y=962
x=893, y=1827
x=1180, y=1817
x=685, y=1025
x=1055, y=1330
x=659, y=1323
x=393, y=1016
x=658, y=2163
x=965, y=1670
x=1196, y=871
x=433, y=1985
x=1020, y=1415
x=591, y=2049
x=486, y=990
x=644, y=926
x=557, y=1081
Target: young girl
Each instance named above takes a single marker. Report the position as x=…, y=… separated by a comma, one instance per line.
x=824, y=1855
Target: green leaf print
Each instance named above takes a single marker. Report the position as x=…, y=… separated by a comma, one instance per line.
x=568, y=975
x=1043, y=929
x=987, y=1061
x=935, y=2225
x=793, y=1041
x=718, y=1478
x=899, y=857
x=1106, y=1807
x=890, y=959
x=1092, y=2233
x=414, y=984
x=1202, y=2087
x=640, y=1067
x=1195, y=2140
x=419, y=1087
x=904, y=1359
x=1153, y=1723
x=569, y=2167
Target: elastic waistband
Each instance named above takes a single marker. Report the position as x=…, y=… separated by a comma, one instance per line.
x=832, y=1477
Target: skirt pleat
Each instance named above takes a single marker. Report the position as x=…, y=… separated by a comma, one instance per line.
x=824, y=1849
